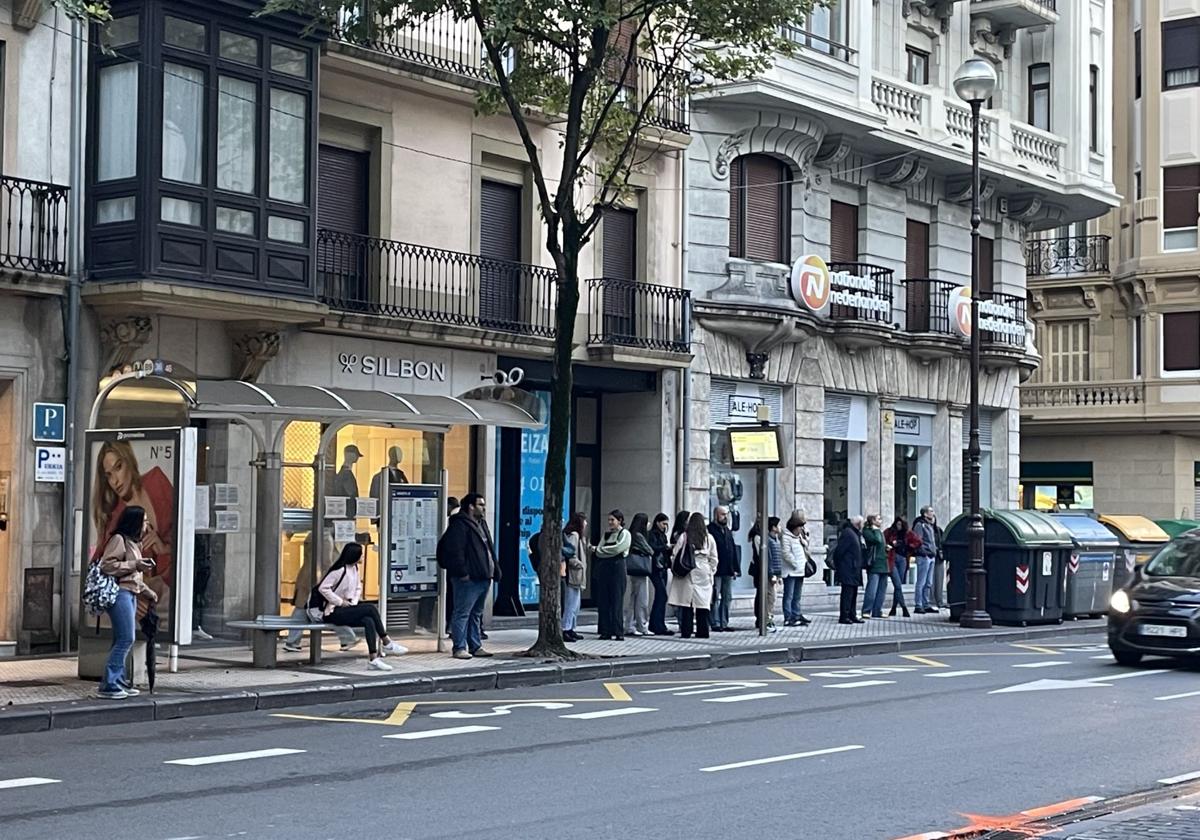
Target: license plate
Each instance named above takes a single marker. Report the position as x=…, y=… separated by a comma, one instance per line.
x=1163, y=630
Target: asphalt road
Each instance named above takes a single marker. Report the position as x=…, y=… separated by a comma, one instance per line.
x=880, y=747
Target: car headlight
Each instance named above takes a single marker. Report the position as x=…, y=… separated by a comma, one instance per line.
x=1121, y=602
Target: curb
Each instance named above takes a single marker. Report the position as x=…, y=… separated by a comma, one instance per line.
x=77, y=714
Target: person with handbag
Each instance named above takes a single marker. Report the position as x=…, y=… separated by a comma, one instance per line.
x=575, y=560
x=901, y=543
x=637, y=570
x=848, y=569
x=729, y=567
x=797, y=565
x=608, y=577
x=693, y=568
x=339, y=598
x=877, y=568
x=660, y=565
x=122, y=560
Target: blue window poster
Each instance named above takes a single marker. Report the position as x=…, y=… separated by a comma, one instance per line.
x=535, y=446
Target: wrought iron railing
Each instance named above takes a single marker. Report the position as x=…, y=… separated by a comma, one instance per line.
x=1002, y=318
x=927, y=305
x=1070, y=395
x=871, y=299
x=804, y=38
x=401, y=280
x=631, y=314
x=667, y=88
x=1067, y=255
x=33, y=225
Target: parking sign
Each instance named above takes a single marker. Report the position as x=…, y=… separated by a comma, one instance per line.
x=49, y=422
x=50, y=464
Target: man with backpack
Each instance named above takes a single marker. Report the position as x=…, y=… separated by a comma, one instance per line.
x=467, y=554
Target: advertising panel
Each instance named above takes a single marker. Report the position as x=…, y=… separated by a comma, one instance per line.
x=413, y=527
x=535, y=446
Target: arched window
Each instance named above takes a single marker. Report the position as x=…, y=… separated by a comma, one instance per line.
x=759, y=208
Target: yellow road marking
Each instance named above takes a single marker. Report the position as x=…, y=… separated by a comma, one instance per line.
x=788, y=674
x=932, y=663
x=617, y=692
x=1036, y=648
x=398, y=717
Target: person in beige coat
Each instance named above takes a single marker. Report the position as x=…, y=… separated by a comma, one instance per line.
x=693, y=592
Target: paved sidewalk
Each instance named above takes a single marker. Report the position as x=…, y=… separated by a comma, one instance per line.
x=1174, y=819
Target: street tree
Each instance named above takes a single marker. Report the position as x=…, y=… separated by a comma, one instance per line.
x=575, y=64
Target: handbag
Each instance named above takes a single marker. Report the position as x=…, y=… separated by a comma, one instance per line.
x=810, y=567
x=314, y=609
x=684, y=562
x=637, y=565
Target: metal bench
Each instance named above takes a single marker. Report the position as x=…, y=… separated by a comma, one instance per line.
x=276, y=623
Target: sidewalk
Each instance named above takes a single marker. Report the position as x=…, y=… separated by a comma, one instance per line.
x=39, y=694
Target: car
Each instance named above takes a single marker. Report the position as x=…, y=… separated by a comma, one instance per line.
x=1157, y=613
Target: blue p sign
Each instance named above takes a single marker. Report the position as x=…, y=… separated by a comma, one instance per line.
x=49, y=422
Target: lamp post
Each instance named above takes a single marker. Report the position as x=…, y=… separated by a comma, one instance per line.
x=974, y=83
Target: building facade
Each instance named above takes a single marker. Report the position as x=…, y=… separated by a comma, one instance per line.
x=856, y=151
x=1109, y=423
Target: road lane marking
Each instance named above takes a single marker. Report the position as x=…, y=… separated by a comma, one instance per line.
x=28, y=781
x=1174, y=780
x=1041, y=664
x=618, y=692
x=779, y=758
x=692, y=687
x=238, y=756
x=1036, y=648
x=716, y=689
x=1131, y=674
x=738, y=698
x=788, y=674
x=441, y=733
x=1102, y=656
x=932, y=663
x=608, y=713
x=500, y=710
x=860, y=684
x=1179, y=696
x=948, y=674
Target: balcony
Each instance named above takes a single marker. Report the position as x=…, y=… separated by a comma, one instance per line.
x=33, y=226
x=399, y=280
x=1084, y=394
x=927, y=318
x=816, y=43
x=1099, y=405
x=1002, y=319
x=1067, y=256
x=900, y=101
x=1015, y=14
x=1041, y=147
x=625, y=315
x=861, y=300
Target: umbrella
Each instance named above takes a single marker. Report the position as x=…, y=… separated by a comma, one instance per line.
x=149, y=625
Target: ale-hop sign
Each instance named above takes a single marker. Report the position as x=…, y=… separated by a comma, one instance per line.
x=815, y=287
x=995, y=317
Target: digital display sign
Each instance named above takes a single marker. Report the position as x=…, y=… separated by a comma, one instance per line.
x=755, y=446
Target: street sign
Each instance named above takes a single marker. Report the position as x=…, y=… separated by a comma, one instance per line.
x=49, y=422
x=50, y=464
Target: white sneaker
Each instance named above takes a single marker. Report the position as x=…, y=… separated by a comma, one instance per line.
x=378, y=665
x=291, y=648
x=348, y=645
x=395, y=648
x=200, y=634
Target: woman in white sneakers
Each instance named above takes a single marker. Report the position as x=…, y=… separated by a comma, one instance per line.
x=341, y=589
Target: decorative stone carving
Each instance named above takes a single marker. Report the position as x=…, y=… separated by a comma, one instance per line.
x=834, y=150
x=121, y=340
x=958, y=189
x=729, y=149
x=937, y=10
x=254, y=349
x=1038, y=299
x=1088, y=293
x=27, y=13
x=906, y=171
x=1025, y=207
x=994, y=44
x=758, y=364
x=792, y=137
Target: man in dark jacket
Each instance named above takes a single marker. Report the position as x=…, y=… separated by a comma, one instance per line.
x=848, y=567
x=466, y=552
x=728, y=567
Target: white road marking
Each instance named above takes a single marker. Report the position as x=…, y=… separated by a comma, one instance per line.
x=684, y=687
x=1179, y=696
x=1174, y=780
x=738, y=698
x=1048, y=685
x=1102, y=656
x=440, y=733
x=778, y=758
x=716, y=689
x=28, y=781
x=238, y=756
x=944, y=674
x=1130, y=674
x=607, y=713
x=860, y=684
x=1041, y=664
x=870, y=671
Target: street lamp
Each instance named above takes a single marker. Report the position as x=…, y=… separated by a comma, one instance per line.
x=974, y=83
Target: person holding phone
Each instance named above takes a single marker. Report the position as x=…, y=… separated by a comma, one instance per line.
x=122, y=560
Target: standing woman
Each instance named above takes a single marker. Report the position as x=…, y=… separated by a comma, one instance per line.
x=659, y=565
x=122, y=559
x=609, y=577
x=573, y=536
x=899, y=541
x=877, y=568
x=693, y=592
x=638, y=568
x=342, y=590
x=795, y=558
x=681, y=523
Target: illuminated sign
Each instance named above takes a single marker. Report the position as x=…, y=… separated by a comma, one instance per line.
x=814, y=287
x=756, y=446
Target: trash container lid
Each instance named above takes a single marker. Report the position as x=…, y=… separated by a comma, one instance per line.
x=1175, y=527
x=1087, y=530
x=1031, y=528
x=1135, y=528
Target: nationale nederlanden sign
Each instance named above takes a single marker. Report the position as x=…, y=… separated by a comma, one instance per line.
x=814, y=287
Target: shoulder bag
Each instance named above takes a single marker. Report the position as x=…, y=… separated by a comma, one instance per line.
x=684, y=561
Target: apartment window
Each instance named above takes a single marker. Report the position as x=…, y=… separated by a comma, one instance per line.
x=1093, y=108
x=1137, y=186
x=1181, y=193
x=183, y=123
x=1181, y=342
x=1135, y=333
x=918, y=66
x=1064, y=346
x=916, y=250
x=1039, y=96
x=829, y=24
x=843, y=232
x=759, y=207
x=1137, y=64
x=1181, y=53
x=987, y=265
x=116, y=122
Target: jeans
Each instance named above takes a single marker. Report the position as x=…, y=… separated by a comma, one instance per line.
x=466, y=627
x=722, y=599
x=847, y=602
x=637, y=604
x=608, y=576
x=572, y=596
x=899, y=573
x=875, y=594
x=121, y=616
x=924, y=582
x=345, y=635
x=939, y=582
x=658, y=609
x=792, y=587
x=365, y=616
x=686, y=614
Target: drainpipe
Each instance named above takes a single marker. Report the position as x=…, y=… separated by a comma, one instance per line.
x=685, y=449
x=71, y=336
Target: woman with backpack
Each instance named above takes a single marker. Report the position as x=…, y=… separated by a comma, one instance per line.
x=608, y=575
x=122, y=560
x=575, y=557
x=338, y=596
x=660, y=565
x=638, y=568
x=693, y=569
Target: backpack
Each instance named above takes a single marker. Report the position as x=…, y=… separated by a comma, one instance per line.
x=683, y=562
x=99, y=590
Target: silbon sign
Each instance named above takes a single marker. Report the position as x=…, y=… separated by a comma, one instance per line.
x=814, y=287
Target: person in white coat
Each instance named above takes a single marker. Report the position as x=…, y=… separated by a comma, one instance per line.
x=795, y=557
x=692, y=592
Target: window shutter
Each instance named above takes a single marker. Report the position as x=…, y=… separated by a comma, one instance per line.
x=843, y=232
x=987, y=265
x=342, y=190
x=1181, y=189
x=620, y=244
x=916, y=249
x=737, y=244
x=1181, y=52
x=500, y=250
x=837, y=416
x=1181, y=341
x=764, y=223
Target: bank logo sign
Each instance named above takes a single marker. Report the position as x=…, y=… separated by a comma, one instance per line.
x=814, y=287
x=995, y=316
x=959, y=310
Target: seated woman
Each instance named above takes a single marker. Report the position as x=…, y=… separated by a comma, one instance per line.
x=342, y=589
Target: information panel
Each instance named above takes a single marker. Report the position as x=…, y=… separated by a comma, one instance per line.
x=756, y=446
x=414, y=525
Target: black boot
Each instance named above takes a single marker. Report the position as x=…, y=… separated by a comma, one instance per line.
x=892, y=612
x=906, y=615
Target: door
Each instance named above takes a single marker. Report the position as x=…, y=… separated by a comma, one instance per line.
x=344, y=255
x=620, y=276
x=916, y=273
x=500, y=280
x=843, y=246
x=8, y=575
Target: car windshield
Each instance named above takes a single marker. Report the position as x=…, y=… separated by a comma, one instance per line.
x=1180, y=557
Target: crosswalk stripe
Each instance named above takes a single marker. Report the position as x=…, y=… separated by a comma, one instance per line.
x=441, y=733
x=227, y=757
x=608, y=713
x=860, y=684
x=944, y=674
x=1041, y=664
x=738, y=698
x=27, y=781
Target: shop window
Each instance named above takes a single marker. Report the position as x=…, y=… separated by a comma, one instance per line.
x=1181, y=53
x=759, y=208
x=1181, y=192
x=1039, y=96
x=1181, y=342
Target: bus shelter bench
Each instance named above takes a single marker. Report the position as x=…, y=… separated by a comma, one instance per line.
x=276, y=623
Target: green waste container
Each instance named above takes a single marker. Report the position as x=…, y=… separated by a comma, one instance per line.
x=1175, y=527
x=1025, y=553
x=1091, y=565
x=1139, y=538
